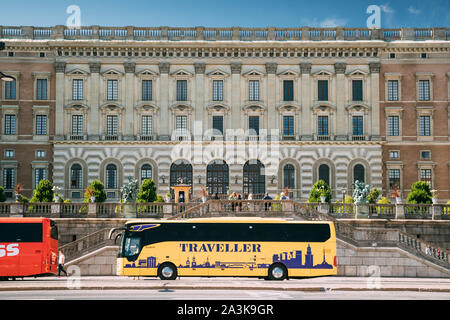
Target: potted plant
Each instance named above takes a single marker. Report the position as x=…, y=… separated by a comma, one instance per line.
x=56, y=190
x=396, y=195
x=91, y=194
x=323, y=194
x=434, y=197
x=18, y=192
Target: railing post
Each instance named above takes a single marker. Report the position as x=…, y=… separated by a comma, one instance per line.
x=58, y=32
x=436, y=211
x=439, y=34
x=235, y=33
x=407, y=34
x=17, y=209
x=199, y=33
x=324, y=208
x=399, y=211
x=28, y=32
x=92, y=210
x=55, y=210
x=305, y=33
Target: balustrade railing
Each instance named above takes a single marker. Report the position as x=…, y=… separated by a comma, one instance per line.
x=223, y=34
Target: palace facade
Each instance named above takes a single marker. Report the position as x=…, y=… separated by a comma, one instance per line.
x=245, y=110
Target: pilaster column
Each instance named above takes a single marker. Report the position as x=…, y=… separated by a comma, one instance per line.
x=130, y=68
x=199, y=101
x=341, y=129
x=271, y=70
x=164, y=68
x=306, y=129
x=236, y=94
x=60, y=69
x=375, y=87
x=94, y=132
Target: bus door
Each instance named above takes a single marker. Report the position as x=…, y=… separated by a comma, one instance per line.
x=31, y=248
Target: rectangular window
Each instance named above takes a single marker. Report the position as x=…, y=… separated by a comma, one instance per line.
x=77, y=125
x=77, y=89
x=147, y=125
x=358, y=127
x=10, y=124
x=41, y=125
x=424, y=126
x=112, y=125
x=217, y=90
x=288, y=90
x=393, y=126
x=9, y=178
x=393, y=154
x=322, y=87
x=253, y=87
x=39, y=174
x=393, y=90
x=9, y=154
x=424, y=90
x=181, y=123
x=147, y=90
x=357, y=90
x=322, y=125
x=182, y=90
x=425, y=155
x=218, y=125
x=41, y=89
x=288, y=125
x=253, y=125
x=425, y=175
x=394, y=179
x=40, y=154
x=113, y=90
x=10, y=90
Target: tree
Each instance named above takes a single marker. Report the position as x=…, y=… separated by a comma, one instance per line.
x=373, y=195
x=43, y=192
x=97, y=190
x=320, y=188
x=2, y=194
x=420, y=193
x=147, y=191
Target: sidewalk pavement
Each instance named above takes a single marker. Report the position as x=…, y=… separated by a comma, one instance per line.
x=319, y=284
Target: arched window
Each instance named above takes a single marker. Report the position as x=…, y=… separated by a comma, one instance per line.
x=76, y=176
x=111, y=176
x=181, y=170
x=146, y=172
x=217, y=177
x=324, y=173
x=289, y=176
x=254, y=178
x=359, y=173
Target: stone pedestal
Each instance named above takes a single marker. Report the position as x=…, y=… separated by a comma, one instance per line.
x=362, y=211
x=17, y=209
x=128, y=210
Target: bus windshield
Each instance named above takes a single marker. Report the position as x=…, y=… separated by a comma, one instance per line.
x=132, y=246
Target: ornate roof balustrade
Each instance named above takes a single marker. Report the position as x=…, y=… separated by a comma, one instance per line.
x=222, y=34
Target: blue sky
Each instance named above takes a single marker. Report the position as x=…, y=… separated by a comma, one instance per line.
x=227, y=13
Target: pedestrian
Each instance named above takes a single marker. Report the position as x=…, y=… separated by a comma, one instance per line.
x=232, y=197
x=267, y=205
x=61, y=261
x=239, y=202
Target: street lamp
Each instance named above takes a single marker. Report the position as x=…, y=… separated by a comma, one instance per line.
x=5, y=77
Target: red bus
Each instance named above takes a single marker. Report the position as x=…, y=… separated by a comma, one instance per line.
x=28, y=247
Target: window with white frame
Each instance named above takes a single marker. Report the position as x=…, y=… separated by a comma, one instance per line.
x=9, y=154
x=424, y=125
x=147, y=90
x=288, y=125
x=253, y=87
x=10, y=124
x=182, y=90
x=112, y=90
x=10, y=90
x=77, y=89
x=77, y=124
x=112, y=125
x=394, y=179
x=394, y=154
x=9, y=178
x=146, y=125
x=393, y=126
x=426, y=175
x=217, y=90
x=76, y=176
x=39, y=174
x=40, y=154
x=41, y=125
x=392, y=87
x=424, y=90
x=146, y=172
x=181, y=124
x=41, y=89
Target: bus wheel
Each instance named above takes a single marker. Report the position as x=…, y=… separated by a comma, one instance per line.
x=277, y=271
x=167, y=271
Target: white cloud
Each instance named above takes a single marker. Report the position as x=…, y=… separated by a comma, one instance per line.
x=413, y=10
x=386, y=8
x=332, y=23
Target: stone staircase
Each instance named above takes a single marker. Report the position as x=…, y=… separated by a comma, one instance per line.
x=393, y=252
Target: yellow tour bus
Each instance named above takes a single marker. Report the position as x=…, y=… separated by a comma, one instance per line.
x=273, y=249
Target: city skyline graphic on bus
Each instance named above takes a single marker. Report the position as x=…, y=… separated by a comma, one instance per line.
x=292, y=259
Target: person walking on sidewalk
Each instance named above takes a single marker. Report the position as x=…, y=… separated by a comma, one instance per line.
x=61, y=261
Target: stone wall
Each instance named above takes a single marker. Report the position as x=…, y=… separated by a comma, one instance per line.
x=101, y=262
